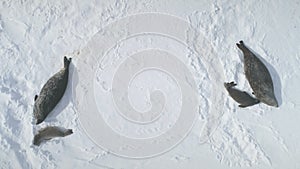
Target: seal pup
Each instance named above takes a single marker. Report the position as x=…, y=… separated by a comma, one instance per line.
x=51, y=93
x=258, y=76
x=239, y=96
x=48, y=133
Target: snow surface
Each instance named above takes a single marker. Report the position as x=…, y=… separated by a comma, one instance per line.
x=35, y=35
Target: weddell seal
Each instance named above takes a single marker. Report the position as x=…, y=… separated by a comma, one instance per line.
x=51, y=93
x=48, y=133
x=239, y=96
x=258, y=76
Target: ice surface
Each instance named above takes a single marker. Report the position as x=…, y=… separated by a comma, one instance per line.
x=35, y=35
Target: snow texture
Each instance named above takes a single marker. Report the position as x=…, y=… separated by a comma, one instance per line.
x=35, y=35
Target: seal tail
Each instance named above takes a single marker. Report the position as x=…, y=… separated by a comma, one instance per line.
x=67, y=62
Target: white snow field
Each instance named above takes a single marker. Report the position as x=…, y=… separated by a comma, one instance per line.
x=146, y=81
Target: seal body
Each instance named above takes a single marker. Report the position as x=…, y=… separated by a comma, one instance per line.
x=239, y=96
x=258, y=76
x=48, y=133
x=51, y=93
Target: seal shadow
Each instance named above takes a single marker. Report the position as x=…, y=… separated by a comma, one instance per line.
x=74, y=82
x=65, y=100
x=274, y=74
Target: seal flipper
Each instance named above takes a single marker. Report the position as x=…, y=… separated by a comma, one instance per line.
x=242, y=106
x=35, y=97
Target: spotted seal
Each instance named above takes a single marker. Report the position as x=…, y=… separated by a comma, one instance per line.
x=258, y=76
x=239, y=96
x=51, y=93
x=50, y=132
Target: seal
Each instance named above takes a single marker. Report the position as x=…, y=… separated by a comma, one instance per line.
x=258, y=77
x=239, y=96
x=51, y=93
x=50, y=132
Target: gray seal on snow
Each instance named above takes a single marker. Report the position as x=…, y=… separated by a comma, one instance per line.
x=50, y=132
x=51, y=93
x=258, y=76
x=239, y=96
